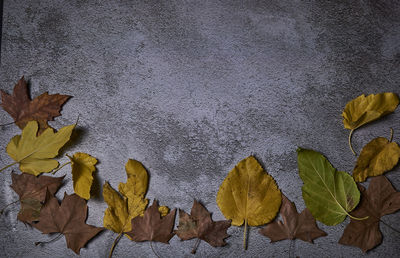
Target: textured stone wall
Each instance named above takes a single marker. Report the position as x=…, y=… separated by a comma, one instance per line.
x=189, y=88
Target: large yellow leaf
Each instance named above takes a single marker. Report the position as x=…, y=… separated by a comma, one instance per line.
x=35, y=153
x=363, y=110
x=249, y=195
x=377, y=157
x=82, y=173
x=130, y=201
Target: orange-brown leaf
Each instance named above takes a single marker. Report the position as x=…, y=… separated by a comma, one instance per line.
x=302, y=226
x=378, y=200
x=42, y=109
x=200, y=225
x=69, y=219
x=153, y=227
x=32, y=193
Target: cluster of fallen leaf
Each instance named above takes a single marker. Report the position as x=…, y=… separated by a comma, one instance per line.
x=248, y=196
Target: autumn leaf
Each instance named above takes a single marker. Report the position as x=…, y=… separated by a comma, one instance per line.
x=35, y=153
x=365, y=109
x=41, y=109
x=329, y=194
x=82, y=173
x=295, y=225
x=152, y=226
x=200, y=225
x=129, y=202
x=249, y=195
x=377, y=157
x=378, y=200
x=68, y=219
x=32, y=193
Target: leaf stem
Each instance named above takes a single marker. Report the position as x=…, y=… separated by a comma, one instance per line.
x=52, y=240
x=12, y=164
x=387, y=225
x=1, y=212
x=196, y=245
x=152, y=249
x=351, y=147
x=55, y=170
x=245, y=235
x=115, y=243
x=355, y=218
x=391, y=134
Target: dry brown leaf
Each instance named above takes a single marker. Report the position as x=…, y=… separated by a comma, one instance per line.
x=153, y=227
x=68, y=219
x=378, y=200
x=200, y=225
x=41, y=109
x=32, y=193
x=295, y=225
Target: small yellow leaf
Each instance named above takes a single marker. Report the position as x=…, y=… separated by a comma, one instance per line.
x=377, y=157
x=35, y=153
x=164, y=210
x=362, y=110
x=82, y=173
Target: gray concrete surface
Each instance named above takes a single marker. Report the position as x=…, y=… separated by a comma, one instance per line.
x=190, y=88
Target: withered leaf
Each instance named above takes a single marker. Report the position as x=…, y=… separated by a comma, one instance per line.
x=32, y=193
x=378, y=200
x=41, y=109
x=200, y=225
x=377, y=157
x=301, y=226
x=153, y=227
x=69, y=219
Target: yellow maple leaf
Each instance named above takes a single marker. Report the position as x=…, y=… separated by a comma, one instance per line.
x=82, y=173
x=35, y=153
x=249, y=195
x=365, y=109
x=377, y=157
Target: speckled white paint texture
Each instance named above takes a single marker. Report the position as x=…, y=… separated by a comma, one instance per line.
x=189, y=88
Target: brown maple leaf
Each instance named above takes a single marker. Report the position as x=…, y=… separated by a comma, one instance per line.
x=200, y=225
x=153, y=227
x=302, y=226
x=32, y=193
x=42, y=108
x=380, y=199
x=68, y=219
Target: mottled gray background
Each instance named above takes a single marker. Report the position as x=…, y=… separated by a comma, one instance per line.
x=190, y=88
